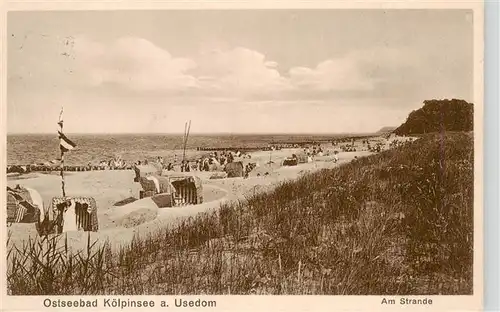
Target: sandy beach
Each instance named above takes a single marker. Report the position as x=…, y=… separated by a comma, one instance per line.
x=118, y=224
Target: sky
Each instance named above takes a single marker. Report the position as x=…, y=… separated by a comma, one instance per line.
x=247, y=71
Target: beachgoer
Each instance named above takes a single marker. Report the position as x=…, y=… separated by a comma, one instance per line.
x=247, y=171
x=187, y=166
x=206, y=166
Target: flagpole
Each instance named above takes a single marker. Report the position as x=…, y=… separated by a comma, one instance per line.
x=185, y=141
x=62, y=156
x=62, y=174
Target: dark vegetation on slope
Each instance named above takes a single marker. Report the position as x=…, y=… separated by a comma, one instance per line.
x=439, y=116
x=399, y=222
x=386, y=129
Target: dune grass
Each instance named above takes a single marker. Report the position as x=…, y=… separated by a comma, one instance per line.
x=399, y=222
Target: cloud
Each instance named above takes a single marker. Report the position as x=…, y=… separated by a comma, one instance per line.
x=134, y=63
x=239, y=73
x=244, y=72
x=331, y=75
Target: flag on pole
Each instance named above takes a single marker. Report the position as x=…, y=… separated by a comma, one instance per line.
x=60, y=122
x=65, y=144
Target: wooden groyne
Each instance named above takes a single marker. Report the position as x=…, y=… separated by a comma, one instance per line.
x=32, y=168
x=264, y=147
x=228, y=149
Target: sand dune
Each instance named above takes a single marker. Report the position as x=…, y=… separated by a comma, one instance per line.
x=119, y=224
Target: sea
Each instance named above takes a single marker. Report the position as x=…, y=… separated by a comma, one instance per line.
x=25, y=149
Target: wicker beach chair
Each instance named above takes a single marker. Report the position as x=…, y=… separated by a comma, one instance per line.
x=85, y=210
x=188, y=188
x=20, y=206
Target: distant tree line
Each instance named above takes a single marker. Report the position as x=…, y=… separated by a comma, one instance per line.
x=439, y=116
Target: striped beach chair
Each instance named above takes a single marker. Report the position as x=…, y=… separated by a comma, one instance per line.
x=85, y=210
x=188, y=189
x=20, y=206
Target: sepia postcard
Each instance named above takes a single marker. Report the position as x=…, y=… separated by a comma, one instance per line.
x=242, y=156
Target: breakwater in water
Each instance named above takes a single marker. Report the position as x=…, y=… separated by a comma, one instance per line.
x=27, y=169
